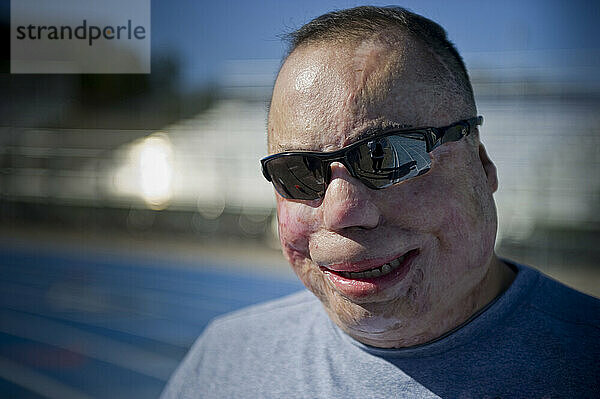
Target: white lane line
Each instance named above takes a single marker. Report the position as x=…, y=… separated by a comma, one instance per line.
x=36, y=382
x=88, y=344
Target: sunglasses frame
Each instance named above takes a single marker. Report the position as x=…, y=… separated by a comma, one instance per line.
x=433, y=136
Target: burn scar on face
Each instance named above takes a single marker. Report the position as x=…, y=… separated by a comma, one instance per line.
x=376, y=61
x=367, y=62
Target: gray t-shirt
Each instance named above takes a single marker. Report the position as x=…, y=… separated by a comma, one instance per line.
x=538, y=339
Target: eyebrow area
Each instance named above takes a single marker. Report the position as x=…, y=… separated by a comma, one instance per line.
x=375, y=131
x=366, y=133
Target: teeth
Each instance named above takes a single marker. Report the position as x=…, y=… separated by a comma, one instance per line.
x=377, y=272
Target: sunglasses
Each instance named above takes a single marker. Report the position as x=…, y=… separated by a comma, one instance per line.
x=378, y=161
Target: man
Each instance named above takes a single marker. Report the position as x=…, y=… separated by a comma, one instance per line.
x=409, y=298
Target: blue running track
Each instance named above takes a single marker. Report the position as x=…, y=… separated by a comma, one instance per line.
x=76, y=326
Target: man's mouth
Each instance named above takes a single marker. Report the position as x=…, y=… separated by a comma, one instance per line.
x=364, y=282
x=379, y=271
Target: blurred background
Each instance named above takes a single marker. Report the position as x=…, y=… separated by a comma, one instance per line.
x=133, y=210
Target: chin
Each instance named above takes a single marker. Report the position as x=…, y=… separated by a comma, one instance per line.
x=382, y=314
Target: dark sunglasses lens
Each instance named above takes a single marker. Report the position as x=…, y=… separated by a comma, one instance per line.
x=297, y=176
x=455, y=133
x=390, y=159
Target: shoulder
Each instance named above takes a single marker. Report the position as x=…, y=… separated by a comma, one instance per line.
x=562, y=303
x=553, y=320
x=257, y=342
x=554, y=336
x=276, y=322
x=283, y=310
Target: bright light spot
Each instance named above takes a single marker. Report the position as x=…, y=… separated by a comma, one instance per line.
x=156, y=170
x=146, y=169
x=305, y=79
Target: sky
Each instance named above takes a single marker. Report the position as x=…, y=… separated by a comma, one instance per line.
x=203, y=35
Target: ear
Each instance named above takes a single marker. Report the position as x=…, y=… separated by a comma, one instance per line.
x=489, y=168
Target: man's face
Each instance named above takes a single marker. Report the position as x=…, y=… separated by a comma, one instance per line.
x=440, y=226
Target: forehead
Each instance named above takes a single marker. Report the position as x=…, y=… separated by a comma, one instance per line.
x=329, y=95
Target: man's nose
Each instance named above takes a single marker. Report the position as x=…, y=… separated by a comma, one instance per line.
x=347, y=202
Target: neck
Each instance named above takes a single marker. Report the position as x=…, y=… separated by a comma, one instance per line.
x=499, y=277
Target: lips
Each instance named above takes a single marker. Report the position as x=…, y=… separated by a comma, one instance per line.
x=377, y=271
x=363, y=279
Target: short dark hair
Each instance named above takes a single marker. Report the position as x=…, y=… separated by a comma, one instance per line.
x=359, y=22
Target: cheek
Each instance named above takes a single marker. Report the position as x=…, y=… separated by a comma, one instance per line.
x=452, y=204
x=466, y=216
x=295, y=228
x=294, y=224
x=466, y=240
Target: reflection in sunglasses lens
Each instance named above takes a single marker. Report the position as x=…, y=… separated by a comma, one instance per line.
x=391, y=159
x=297, y=177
